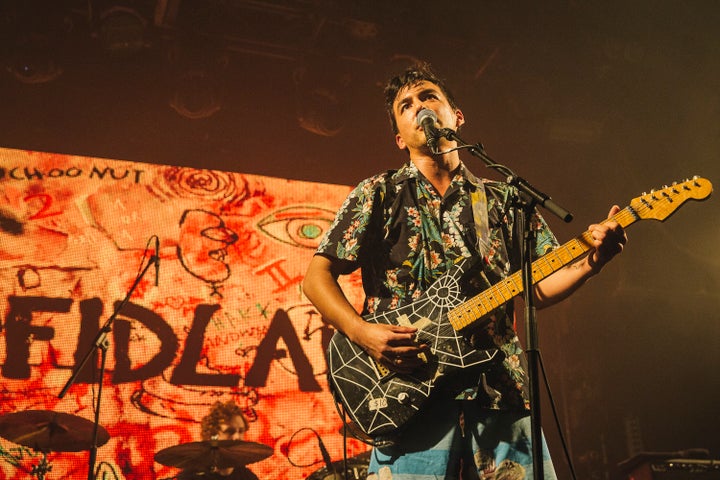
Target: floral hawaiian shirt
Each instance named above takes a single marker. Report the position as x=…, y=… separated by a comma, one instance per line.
x=403, y=236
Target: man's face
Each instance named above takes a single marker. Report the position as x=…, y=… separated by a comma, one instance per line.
x=232, y=429
x=410, y=100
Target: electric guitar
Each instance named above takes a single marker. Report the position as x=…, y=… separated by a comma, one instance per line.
x=380, y=401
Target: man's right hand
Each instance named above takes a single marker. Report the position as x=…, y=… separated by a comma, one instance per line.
x=392, y=345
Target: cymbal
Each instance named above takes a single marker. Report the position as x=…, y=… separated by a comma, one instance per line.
x=207, y=455
x=49, y=431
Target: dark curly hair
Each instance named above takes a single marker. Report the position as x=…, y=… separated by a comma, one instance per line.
x=420, y=72
x=220, y=413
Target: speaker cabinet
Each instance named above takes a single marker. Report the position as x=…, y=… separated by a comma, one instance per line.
x=675, y=469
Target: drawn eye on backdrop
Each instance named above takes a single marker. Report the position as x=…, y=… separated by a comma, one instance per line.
x=300, y=226
x=202, y=247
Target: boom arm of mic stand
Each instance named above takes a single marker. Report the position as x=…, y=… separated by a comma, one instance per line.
x=101, y=342
x=535, y=195
x=101, y=336
x=540, y=198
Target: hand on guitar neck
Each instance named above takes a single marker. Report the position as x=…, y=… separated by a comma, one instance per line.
x=606, y=239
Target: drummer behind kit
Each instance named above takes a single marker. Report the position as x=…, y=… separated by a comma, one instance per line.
x=40, y=432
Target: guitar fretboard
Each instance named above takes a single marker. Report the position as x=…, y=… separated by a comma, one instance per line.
x=480, y=305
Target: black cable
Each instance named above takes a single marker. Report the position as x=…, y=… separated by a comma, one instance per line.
x=290, y=444
x=556, y=418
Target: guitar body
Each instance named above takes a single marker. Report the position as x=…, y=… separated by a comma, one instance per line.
x=380, y=402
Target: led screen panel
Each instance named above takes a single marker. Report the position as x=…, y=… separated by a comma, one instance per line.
x=221, y=318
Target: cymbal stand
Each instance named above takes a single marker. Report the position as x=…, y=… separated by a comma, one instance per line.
x=41, y=468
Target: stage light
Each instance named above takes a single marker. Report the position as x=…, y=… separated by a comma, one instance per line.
x=35, y=45
x=122, y=30
x=320, y=101
x=196, y=95
x=34, y=67
x=319, y=112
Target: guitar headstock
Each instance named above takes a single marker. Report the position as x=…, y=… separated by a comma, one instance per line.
x=660, y=204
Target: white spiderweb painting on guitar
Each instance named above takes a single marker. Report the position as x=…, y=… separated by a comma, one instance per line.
x=380, y=401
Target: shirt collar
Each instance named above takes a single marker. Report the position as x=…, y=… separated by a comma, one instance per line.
x=409, y=171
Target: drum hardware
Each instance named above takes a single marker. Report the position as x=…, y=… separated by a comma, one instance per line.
x=40, y=432
x=356, y=469
x=212, y=455
x=48, y=431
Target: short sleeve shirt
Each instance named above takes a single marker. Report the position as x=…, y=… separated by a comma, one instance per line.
x=403, y=236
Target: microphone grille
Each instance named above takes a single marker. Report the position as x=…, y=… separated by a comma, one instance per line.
x=426, y=113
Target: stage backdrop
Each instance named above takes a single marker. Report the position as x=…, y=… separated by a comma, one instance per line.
x=224, y=319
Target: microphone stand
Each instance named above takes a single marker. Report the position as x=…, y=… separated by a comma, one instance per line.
x=527, y=199
x=102, y=343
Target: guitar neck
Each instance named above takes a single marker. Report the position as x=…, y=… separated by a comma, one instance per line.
x=502, y=292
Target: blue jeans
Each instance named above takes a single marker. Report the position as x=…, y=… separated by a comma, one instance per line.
x=453, y=439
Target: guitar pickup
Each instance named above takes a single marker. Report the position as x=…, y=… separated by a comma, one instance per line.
x=380, y=370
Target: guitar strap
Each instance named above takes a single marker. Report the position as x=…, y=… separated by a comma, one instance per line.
x=478, y=200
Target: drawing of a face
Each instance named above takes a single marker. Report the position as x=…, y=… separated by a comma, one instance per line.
x=202, y=247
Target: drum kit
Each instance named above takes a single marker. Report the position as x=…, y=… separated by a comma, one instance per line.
x=40, y=432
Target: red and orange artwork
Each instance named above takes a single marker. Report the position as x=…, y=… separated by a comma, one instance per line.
x=219, y=316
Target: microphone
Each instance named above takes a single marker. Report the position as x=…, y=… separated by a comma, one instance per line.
x=426, y=118
x=157, y=259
